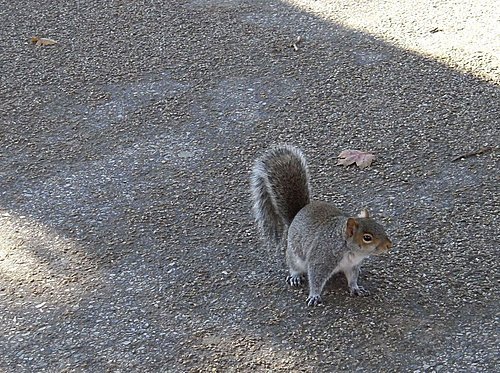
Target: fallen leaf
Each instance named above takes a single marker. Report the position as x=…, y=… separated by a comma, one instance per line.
x=42, y=41
x=362, y=159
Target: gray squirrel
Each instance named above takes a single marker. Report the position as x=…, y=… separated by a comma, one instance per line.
x=321, y=239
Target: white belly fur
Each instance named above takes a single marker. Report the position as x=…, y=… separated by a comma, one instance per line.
x=348, y=261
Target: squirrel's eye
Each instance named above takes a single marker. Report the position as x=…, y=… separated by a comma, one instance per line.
x=367, y=237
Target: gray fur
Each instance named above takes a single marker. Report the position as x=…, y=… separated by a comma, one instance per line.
x=321, y=239
x=280, y=189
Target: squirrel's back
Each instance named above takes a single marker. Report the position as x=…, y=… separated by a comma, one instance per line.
x=280, y=189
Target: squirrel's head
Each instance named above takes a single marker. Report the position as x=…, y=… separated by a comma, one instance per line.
x=365, y=234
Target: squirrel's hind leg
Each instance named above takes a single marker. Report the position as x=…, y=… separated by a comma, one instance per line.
x=297, y=269
x=296, y=279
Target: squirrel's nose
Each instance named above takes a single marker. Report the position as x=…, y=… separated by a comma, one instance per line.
x=388, y=245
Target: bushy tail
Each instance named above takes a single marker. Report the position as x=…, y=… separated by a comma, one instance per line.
x=280, y=188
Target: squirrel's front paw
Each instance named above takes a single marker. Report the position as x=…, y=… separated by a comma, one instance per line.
x=359, y=291
x=295, y=280
x=314, y=300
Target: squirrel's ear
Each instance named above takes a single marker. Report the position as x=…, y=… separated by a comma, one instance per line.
x=351, y=227
x=364, y=214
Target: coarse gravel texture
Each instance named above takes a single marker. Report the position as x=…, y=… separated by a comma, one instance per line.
x=126, y=239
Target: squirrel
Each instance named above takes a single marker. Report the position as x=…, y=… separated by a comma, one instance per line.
x=321, y=240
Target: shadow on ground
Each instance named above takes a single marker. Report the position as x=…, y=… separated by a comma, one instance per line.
x=126, y=240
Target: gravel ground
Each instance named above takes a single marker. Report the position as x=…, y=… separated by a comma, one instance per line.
x=126, y=240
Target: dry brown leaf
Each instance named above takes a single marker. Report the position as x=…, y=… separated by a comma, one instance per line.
x=42, y=41
x=362, y=159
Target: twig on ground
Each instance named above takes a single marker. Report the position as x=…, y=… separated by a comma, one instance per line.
x=482, y=150
x=296, y=44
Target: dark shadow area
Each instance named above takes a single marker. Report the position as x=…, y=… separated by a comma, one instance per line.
x=127, y=240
